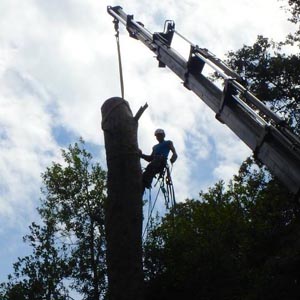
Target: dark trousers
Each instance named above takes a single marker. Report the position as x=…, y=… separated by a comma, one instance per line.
x=156, y=166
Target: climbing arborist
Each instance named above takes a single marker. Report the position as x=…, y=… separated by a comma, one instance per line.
x=158, y=158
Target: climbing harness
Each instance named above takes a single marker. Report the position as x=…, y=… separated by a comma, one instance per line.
x=117, y=35
x=165, y=185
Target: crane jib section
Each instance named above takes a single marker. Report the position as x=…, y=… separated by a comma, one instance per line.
x=266, y=133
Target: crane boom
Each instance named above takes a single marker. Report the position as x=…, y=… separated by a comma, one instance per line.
x=266, y=133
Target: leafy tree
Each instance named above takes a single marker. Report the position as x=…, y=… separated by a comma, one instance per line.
x=272, y=75
x=74, y=198
x=239, y=242
x=41, y=274
x=194, y=254
x=69, y=246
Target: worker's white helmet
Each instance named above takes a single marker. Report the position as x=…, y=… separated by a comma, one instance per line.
x=159, y=131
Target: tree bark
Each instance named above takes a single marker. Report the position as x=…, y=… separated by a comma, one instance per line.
x=123, y=211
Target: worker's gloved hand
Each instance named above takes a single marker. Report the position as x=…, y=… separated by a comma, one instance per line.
x=172, y=160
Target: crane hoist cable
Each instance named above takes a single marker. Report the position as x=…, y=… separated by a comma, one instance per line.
x=117, y=35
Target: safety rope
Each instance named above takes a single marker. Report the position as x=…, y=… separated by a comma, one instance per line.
x=150, y=214
x=116, y=23
x=169, y=194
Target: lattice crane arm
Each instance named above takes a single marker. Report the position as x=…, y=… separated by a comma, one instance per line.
x=250, y=119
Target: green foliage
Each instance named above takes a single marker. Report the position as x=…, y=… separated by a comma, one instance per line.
x=294, y=9
x=12, y=291
x=39, y=275
x=239, y=242
x=272, y=76
x=70, y=243
x=74, y=197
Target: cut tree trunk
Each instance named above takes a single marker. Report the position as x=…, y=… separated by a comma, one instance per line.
x=123, y=211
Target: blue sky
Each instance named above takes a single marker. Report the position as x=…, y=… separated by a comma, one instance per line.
x=58, y=64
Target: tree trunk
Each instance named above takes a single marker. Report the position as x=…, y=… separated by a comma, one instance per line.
x=123, y=211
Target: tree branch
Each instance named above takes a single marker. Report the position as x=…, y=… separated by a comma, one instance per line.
x=140, y=112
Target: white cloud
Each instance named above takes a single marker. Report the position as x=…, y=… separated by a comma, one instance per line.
x=26, y=143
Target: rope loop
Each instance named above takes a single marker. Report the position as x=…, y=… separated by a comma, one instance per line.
x=116, y=25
